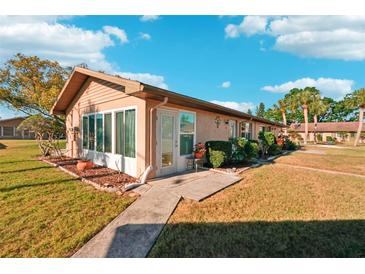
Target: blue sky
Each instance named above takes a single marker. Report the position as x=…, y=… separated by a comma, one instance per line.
x=235, y=61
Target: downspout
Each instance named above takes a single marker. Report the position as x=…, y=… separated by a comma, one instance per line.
x=150, y=167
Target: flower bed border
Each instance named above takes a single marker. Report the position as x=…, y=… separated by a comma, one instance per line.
x=87, y=181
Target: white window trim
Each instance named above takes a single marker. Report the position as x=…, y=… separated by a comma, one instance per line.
x=113, y=113
x=179, y=110
x=179, y=132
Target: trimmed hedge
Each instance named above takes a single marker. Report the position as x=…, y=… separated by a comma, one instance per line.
x=225, y=147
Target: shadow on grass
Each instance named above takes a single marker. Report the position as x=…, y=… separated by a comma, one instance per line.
x=21, y=186
x=17, y=161
x=2, y=146
x=25, y=170
x=337, y=238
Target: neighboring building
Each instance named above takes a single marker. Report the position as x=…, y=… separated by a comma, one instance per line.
x=128, y=125
x=8, y=129
x=342, y=131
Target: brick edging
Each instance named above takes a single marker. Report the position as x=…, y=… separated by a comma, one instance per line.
x=82, y=179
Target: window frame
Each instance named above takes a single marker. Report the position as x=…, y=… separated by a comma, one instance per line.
x=113, y=130
x=179, y=130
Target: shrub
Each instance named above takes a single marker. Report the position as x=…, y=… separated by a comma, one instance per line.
x=223, y=146
x=274, y=149
x=266, y=139
x=252, y=150
x=238, y=152
x=319, y=137
x=289, y=145
x=329, y=139
x=216, y=158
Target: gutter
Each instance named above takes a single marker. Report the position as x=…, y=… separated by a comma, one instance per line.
x=150, y=167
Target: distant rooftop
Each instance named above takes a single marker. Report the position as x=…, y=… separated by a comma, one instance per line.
x=329, y=127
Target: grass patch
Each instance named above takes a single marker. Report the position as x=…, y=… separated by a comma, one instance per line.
x=273, y=212
x=45, y=212
x=346, y=159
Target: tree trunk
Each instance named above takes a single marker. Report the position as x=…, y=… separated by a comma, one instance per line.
x=305, y=112
x=284, y=122
x=315, y=128
x=359, y=129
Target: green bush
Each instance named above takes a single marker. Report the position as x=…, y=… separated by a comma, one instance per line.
x=319, y=137
x=266, y=139
x=252, y=150
x=274, y=149
x=289, y=145
x=216, y=158
x=238, y=152
x=222, y=146
x=329, y=139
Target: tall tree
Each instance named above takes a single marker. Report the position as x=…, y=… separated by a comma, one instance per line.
x=249, y=111
x=30, y=84
x=357, y=99
x=304, y=98
x=338, y=111
x=260, y=110
x=316, y=108
x=295, y=113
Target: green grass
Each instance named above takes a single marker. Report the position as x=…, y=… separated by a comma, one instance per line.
x=345, y=160
x=274, y=211
x=45, y=212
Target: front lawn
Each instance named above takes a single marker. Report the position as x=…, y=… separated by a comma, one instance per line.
x=347, y=159
x=45, y=212
x=274, y=211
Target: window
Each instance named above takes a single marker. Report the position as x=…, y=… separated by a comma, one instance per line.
x=85, y=132
x=130, y=133
x=232, y=129
x=99, y=132
x=119, y=132
x=187, y=129
x=92, y=132
x=8, y=131
x=246, y=130
x=261, y=129
x=108, y=132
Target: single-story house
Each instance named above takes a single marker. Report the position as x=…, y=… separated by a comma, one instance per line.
x=342, y=131
x=8, y=129
x=130, y=126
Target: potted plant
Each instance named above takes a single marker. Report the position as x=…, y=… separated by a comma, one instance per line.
x=83, y=164
x=199, y=151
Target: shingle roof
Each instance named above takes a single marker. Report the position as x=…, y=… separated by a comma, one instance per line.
x=329, y=127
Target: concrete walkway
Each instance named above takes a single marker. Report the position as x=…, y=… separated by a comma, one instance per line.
x=133, y=233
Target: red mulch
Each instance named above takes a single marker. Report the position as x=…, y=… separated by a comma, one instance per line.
x=103, y=176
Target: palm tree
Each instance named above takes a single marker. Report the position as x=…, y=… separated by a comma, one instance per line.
x=303, y=99
x=316, y=108
x=357, y=100
x=281, y=107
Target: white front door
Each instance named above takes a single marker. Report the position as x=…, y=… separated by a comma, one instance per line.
x=167, y=143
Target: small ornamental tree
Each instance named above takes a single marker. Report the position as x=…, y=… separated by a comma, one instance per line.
x=47, y=132
x=266, y=140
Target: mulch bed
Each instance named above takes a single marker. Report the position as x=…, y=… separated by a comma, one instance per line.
x=105, y=178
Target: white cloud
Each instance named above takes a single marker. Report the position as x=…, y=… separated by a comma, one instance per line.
x=226, y=84
x=243, y=106
x=329, y=37
x=250, y=25
x=47, y=37
x=329, y=87
x=149, y=18
x=117, y=32
x=151, y=79
x=145, y=36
